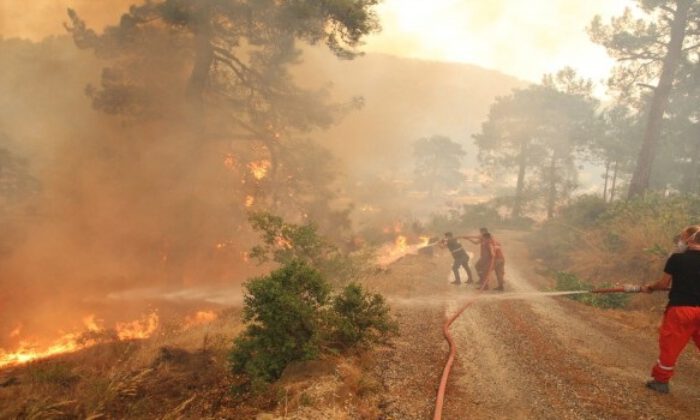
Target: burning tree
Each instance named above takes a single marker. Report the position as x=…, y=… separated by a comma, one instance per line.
x=230, y=59
x=213, y=79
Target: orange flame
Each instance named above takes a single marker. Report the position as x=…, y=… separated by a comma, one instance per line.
x=259, y=168
x=138, y=329
x=200, y=318
x=91, y=323
x=392, y=252
x=28, y=351
x=249, y=200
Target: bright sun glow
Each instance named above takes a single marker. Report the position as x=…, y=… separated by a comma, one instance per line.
x=524, y=39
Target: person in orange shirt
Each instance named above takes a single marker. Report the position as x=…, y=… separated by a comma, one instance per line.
x=497, y=263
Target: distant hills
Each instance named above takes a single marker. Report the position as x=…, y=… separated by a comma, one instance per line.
x=405, y=99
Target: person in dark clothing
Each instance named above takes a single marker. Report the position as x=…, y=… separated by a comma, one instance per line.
x=681, y=320
x=460, y=256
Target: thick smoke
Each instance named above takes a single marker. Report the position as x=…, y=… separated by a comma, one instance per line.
x=120, y=204
x=136, y=205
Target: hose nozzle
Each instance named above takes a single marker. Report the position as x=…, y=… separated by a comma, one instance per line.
x=628, y=288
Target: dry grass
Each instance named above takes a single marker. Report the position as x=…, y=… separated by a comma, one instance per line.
x=165, y=376
x=182, y=374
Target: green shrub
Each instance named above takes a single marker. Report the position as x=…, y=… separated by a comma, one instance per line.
x=555, y=240
x=569, y=282
x=290, y=313
x=584, y=211
x=292, y=317
x=360, y=318
x=284, y=242
x=284, y=312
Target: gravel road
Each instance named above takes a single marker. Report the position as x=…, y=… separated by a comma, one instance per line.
x=527, y=357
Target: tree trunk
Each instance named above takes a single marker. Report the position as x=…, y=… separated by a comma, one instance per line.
x=520, y=187
x=552, y=196
x=659, y=102
x=614, y=182
x=693, y=174
x=204, y=57
x=607, y=176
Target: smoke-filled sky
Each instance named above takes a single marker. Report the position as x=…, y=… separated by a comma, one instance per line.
x=521, y=38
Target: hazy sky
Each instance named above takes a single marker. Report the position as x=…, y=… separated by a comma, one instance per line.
x=524, y=38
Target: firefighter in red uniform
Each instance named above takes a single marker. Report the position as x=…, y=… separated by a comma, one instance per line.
x=681, y=321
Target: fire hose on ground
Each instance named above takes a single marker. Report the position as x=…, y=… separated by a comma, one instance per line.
x=440, y=399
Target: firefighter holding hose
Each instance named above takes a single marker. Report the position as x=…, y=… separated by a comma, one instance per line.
x=490, y=258
x=681, y=320
x=460, y=257
x=496, y=263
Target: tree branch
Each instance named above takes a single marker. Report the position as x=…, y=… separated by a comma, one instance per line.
x=648, y=86
x=667, y=9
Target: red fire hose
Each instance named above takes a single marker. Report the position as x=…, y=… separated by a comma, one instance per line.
x=440, y=399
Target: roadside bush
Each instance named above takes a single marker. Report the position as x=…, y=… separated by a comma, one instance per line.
x=293, y=317
x=627, y=241
x=568, y=282
x=556, y=239
x=284, y=242
x=631, y=240
x=292, y=314
x=360, y=318
x=285, y=320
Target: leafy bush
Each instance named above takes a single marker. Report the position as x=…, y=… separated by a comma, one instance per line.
x=286, y=242
x=585, y=211
x=291, y=313
x=556, y=239
x=292, y=317
x=360, y=317
x=284, y=312
x=568, y=282
x=628, y=240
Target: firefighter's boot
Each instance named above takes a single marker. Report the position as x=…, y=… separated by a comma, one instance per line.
x=660, y=387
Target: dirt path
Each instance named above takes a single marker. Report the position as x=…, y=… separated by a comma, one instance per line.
x=553, y=358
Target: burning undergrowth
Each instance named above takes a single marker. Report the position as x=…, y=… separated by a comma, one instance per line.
x=94, y=330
